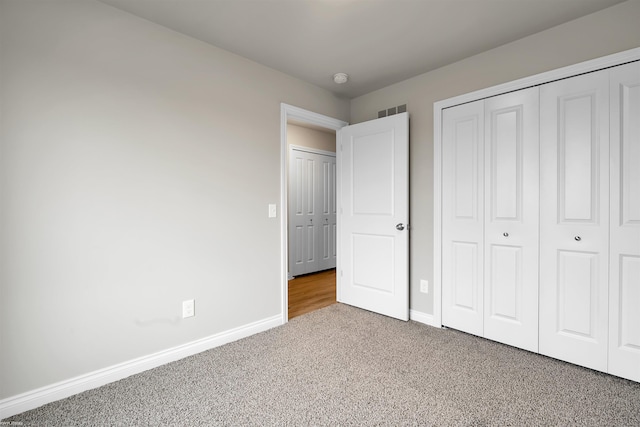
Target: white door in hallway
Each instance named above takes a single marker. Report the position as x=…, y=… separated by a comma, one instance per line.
x=312, y=211
x=574, y=219
x=624, y=283
x=373, y=209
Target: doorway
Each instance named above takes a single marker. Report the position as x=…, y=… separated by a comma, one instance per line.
x=312, y=291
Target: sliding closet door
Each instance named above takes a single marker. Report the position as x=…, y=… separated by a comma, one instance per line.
x=511, y=219
x=624, y=296
x=463, y=217
x=574, y=219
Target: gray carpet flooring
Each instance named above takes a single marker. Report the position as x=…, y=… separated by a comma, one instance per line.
x=347, y=367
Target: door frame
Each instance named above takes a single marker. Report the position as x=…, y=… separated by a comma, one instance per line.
x=535, y=80
x=302, y=116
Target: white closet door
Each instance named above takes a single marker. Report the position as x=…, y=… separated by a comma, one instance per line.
x=624, y=286
x=574, y=219
x=327, y=226
x=511, y=219
x=463, y=217
x=312, y=213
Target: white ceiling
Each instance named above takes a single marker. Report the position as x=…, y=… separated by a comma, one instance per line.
x=377, y=42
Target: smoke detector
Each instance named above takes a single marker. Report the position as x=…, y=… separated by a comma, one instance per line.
x=340, y=78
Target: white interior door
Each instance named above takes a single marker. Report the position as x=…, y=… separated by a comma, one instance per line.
x=463, y=217
x=327, y=249
x=624, y=284
x=312, y=211
x=511, y=219
x=574, y=219
x=373, y=194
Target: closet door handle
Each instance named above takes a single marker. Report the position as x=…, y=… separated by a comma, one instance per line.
x=577, y=238
x=505, y=234
x=399, y=227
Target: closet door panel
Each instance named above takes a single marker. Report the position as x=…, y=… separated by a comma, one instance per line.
x=463, y=217
x=574, y=218
x=327, y=215
x=624, y=285
x=511, y=219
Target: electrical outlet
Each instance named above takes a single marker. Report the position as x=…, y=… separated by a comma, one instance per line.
x=424, y=286
x=188, y=308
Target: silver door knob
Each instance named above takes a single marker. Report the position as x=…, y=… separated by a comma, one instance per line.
x=578, y=238
x=505, y=234
x=400, y=227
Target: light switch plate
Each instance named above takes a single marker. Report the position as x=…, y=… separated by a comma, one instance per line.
x=424, y=286
x=272, y=211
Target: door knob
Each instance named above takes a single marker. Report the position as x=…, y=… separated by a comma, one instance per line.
x=505, y=234
x=400, y=227
x=578, y=238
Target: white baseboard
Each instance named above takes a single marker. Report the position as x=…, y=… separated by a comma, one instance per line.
x=421, y=317
x=35, y=398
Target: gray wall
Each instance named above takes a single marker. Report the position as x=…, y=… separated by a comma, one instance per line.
x=135, y=172
x=609, y=31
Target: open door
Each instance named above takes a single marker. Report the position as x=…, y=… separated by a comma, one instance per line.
x=373, y=216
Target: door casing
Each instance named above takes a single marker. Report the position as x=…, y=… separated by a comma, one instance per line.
x=305, y=117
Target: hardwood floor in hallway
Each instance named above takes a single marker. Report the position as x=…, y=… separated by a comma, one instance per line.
x=311, y=292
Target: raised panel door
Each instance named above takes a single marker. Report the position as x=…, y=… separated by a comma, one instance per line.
x=574, y=219
x=624, y=285
x=511, y=219
x=463, y=217
x=373, y=270
x=312, y=213
x=327, y=218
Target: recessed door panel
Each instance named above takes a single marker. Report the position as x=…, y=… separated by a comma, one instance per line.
x=505, y=283
x=310, y=187
x=298, y=246
x=326, y=251
x=574, y=219
x=310, y=244
x=506, y=163
x=465, y=160
x=372, y=164
x=297, y=186
x=464, y=276
x=578, y=157
x=576, y=310
x=628, y=297
x=630, y=152
x=624, y=281
x=368, y=249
